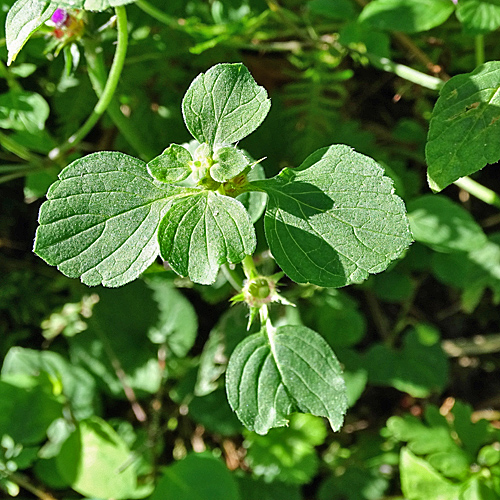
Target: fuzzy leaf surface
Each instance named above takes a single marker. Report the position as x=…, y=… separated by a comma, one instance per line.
x=335, y=219
x=270, y=376
x=100, y=219
x=201, y=232
x=229, y=163
x=465, y=126
x=23, y=19
x=224, y=105
x=172, y=165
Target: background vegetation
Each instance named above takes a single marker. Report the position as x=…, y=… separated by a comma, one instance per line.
x=138, y=370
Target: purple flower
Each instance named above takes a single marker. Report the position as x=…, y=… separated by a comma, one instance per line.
x=59, y=17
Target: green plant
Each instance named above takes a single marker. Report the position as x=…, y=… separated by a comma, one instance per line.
x=132, y=389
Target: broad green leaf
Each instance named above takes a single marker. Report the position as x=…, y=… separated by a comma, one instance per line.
x=479, y=16
x=201, y=232
x=419, y=481
x=444, y=225
x=23, y=19
x=287, y=454
x=229, y=162
x=275, y=373
x=94, y=459
x=376, y=42
x=419, y=368
x=77, y=384
x=172, y=165
x=335, y=219
x=465, y=126
x=27, y=407
x=224, y=105
x=24, y=111
x=198, y=476
x=409, y=16
x=100, y=219
x=477, y=490
x=452, y=464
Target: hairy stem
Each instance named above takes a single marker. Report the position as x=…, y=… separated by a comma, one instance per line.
x=479, y=191
x=109, y=89
x=249, y=267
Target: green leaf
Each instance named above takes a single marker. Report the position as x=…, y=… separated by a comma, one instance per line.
x=201, y=232
x=335, y=219
x=177, y=323
x=229, y=162
x=100, y=219
x=137, y=356
x=471, y=434
x=419, y=481
x=464, y=127
x=274, y=373
x=229, y=331
x=409, y=16
x=93, y=461
x=24, y=111
x=224, y=105
x=419, y=368
x=444, y=225
x=479, y=16
x=172, y=165
x=253, y=489
x=27, y=407
x=254, y=201
x=198, y=476
x=23, y=19
x=287, y=454
x=77, y=384
x=334, y=9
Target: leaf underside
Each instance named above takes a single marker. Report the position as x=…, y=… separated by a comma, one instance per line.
x=100, y=219
x=294, y=369
x=335, y=219
x=465, y=126
x=201, y=232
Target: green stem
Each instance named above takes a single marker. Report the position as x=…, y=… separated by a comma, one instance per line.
x=232, y=277
x=479, y=50
x=18, y=149
x=109, y=89
x=155, y=13
x=98, y=78
x=410, y=74
x=249, y=267
x=479, y=191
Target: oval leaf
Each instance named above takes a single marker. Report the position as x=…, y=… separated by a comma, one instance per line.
x=224, y=105
x=100, y=219
x=289, y=369
x=172, y=165
x=23, y=111
x=23, y=19
x=229, y=163
x=335, y=219
x=93, y=461
x=201, y=232
x=444, y=225
x=465, y=126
